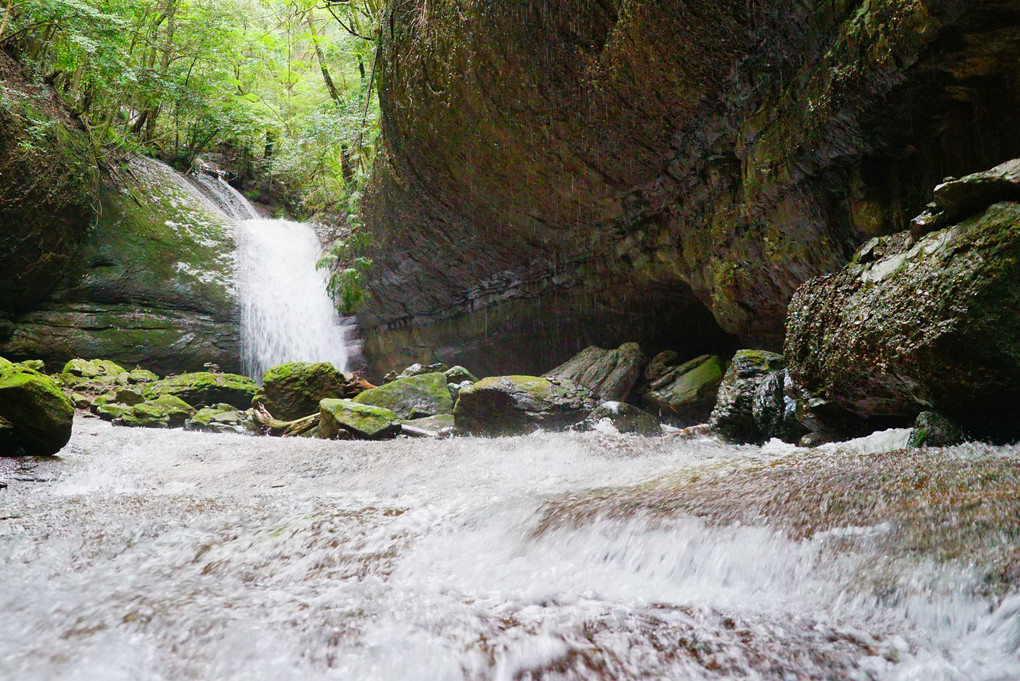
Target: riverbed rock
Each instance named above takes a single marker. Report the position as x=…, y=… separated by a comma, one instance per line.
x=459, y=374
x=625, y=418
x=165, y=411
x=441, y=426
x=292, y=391
x=610, y=374
x=932, y=429
x=95, y=375
x=419, y=369
x=204, y=388
x=361, y=420
x=518, y=405
x=734, y=413
x=222, y=418
x=910, y=327
x=672, y=171
x=420, y=396
x=38, y=415
x=684, y=394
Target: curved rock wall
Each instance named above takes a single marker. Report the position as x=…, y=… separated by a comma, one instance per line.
x=592, y=171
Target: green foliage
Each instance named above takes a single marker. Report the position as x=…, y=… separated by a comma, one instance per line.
x=347, y=264
x=283, y=85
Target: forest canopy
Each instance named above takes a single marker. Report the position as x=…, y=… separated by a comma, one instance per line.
x=283, y=88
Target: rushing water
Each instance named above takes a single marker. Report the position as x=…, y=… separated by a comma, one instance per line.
x=286, y=312
x=148, y=555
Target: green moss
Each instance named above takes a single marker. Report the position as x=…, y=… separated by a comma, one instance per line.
x=166, y=411
x=292, y=391
x=204, y=388
x=411, y=398
x=363, y=421
x=33, y=403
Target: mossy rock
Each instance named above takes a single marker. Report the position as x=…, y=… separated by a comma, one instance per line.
x=39, y=413
x=459, y=374
x=165, y=411
x=610, y=374
x=293, y=391
x=90, y=369
x=685, y=394
x=137, y=376
x=734, y=413
x=518, y=405
x=35, y=365
x=204, y=388
x=440, y=425
x=111, y=411
x=361, y=420
x=932, y=429
x=412, y=398
x=81, y=400
x=223, y=418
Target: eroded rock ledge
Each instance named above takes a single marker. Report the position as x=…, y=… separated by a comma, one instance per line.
x=559, y=174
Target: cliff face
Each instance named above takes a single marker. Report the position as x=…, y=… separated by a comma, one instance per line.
x=607, y=170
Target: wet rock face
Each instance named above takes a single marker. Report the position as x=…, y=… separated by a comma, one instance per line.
x=152, y=284
x=519, y=405
x=564, y=174
x=48, y=189
x=610, y=374
x=911, y=327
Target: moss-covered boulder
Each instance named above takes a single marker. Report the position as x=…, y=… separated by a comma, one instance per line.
x=95, y=374
x=459, y=374
x=292, y=391
x=360, y=420
x=412, y=398
x=165, y=411
x=204, y=388
x=111, y=411
x=734, y=413
x=684, y=394
x=48, y=188
x=518, y=405
x=38, y=416
x=441, y=425
x=610, y=374
x=223, y=418
x=625, y=419
x=913, y=326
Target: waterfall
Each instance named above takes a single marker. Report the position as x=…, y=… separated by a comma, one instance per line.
x=286, y=312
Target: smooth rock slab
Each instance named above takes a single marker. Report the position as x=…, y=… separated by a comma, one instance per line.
x=518, y=405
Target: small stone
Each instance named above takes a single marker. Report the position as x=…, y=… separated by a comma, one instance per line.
x=361, y=420
x=625, y=418
x=459, y=374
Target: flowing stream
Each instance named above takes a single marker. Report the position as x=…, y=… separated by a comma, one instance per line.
x=145, y=555
x=286, y=312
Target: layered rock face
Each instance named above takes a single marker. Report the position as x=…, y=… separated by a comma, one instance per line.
x=152, y=284
x=589, y=172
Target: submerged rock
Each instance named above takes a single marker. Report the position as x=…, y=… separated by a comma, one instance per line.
x=685, y=394
x=625, y=418
x=411, y=398
x=360, y=420
x=518, y=405
x=203, y=389
x=610, y=374
x=37, y=417
x=909, y=327
x=734, y=416
x=292, y=391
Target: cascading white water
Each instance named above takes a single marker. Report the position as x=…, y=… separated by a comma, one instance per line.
x=286, y=312
x=230, y=558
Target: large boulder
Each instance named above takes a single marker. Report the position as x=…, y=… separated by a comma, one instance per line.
x=349, y=418
x=412, y=398
x=918, y=326
x=518, y=405
x=292, y=391
x=684, y=394
x=743, y=387
x=610, y=374
x=203, y=389
x=152, y=284
x=35, y=416
x=48, y=188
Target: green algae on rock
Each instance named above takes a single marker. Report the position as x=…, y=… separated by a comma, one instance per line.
x=38, y=415
x=360, y=420
x=165, y=411
x=685, y=394
x=204, y=388
x=292, y=391
x=519, y=405
x=411, y=398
